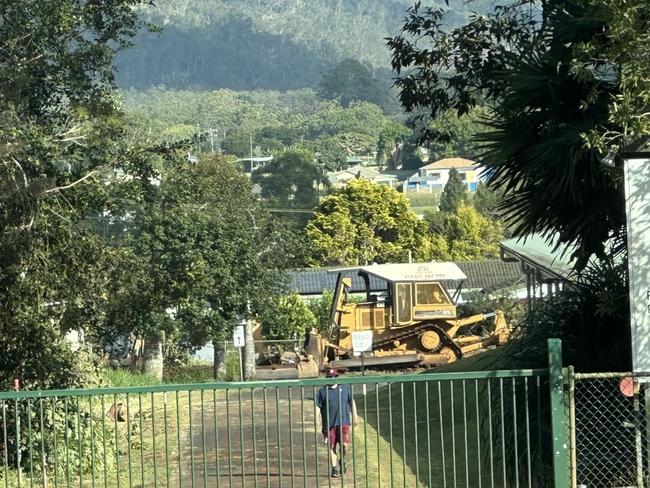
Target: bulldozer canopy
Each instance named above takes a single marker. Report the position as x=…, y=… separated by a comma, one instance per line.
x=411, y=272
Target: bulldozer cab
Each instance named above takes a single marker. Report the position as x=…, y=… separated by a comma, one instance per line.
x=393, y=296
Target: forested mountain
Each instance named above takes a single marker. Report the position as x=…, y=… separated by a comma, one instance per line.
x=268, y=44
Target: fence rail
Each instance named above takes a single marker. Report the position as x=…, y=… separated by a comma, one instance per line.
x=485, y=429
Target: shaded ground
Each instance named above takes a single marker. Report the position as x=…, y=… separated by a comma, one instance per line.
x=264, y=437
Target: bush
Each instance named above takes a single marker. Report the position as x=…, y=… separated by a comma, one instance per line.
x=321, y=308
x=287, y=318
x=125, y=377
x=56, y=429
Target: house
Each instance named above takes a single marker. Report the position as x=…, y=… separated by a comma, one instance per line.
x=388, y=178
x=340, y=178
x=395, y=178
x=434, y=176
x=251, y=164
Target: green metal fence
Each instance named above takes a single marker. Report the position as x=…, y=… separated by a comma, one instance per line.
x=481, y=429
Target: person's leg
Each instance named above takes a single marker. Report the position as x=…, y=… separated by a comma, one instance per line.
x=332, y=442
x=345, y=443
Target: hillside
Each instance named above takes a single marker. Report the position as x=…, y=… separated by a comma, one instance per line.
x=264, y=44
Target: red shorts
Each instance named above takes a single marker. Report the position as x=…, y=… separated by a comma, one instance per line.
x=337, y=435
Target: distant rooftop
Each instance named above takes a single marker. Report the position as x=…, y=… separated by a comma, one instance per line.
x=449, y=163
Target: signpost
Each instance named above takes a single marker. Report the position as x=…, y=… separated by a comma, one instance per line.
x=361, y=343
x=239, y=341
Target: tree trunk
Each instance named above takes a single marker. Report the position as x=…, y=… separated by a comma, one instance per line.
x=219, y=361
x=249, y=351
x=153, y=357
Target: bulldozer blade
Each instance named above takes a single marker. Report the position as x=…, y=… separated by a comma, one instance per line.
x=284, y=373
x=375, y=361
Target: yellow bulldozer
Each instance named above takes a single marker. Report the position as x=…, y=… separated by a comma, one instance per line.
x=406, y=317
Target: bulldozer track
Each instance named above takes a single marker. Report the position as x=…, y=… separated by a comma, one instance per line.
x=413, y=332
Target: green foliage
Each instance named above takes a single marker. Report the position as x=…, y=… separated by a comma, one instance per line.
x=556, y=110
x=389, y=145
x=364, y=223
x=125, y=377
x=486, y=200
x=69, y=430
x=452, y=135
x=321, y=308
x=464, y=235
x=591, y=317
x=60, y=140
x=207, y=250
x=276, y=121
x=287, y=318
x=454, y=194
x=291, y=180
x=351, y=81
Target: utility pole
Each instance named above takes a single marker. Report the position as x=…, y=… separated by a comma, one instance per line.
x=251, y=141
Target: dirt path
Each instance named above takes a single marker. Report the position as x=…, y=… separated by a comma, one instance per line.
x=237, y=448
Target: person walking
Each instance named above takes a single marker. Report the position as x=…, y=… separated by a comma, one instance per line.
x=338, y=411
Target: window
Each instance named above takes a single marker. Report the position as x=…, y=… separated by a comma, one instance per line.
x=403, y=302
x=430, y=294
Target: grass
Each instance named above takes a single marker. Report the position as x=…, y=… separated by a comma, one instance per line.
x=436, y=433
x=422, y=203
x=409, y=435
x=125, y=377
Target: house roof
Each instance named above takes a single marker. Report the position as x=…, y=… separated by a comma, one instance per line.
x=400, y=174
x=540, y=252
x=353, y=172
x=385, y=176
x=489, y=275
x=449, y=163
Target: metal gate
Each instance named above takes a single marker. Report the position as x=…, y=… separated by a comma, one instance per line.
x=470, y=429
x=608, y=429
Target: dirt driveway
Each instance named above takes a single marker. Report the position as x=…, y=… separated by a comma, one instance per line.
x=233, y=446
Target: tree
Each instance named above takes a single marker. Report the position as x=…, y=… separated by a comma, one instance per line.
x=451, y=135
x=351, y=81
x=290, y=180
x=468, y=236
x=212, y=256
x=60, y=138
x=485, y=200
x=288, y=317
x=364, y=223
x=389, y=145
x=559, y=81
x=454, y=194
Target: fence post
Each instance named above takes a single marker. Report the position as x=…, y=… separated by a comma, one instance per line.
x=558, y=416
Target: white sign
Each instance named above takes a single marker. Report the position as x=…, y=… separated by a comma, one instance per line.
x=238, y=336
x=362, y=341
x=637, y=206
